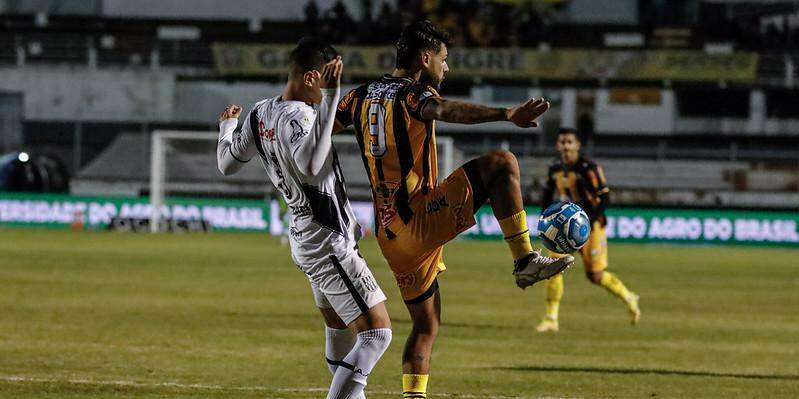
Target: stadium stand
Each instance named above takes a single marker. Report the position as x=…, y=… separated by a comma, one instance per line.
x=752, y=142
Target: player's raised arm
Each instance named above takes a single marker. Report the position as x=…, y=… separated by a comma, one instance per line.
x=524, y=115
x=344, y=112
x=311, y=151
x=233, y=149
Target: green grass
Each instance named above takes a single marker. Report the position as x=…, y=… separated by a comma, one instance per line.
x=229, y=316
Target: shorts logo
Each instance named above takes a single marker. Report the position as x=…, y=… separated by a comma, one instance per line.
x=437, y=204
x=405, y=280
x=297, y=131
x=369, y=283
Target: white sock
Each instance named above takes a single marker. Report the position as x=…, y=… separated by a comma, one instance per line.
x=338, y=343
x=350, y=378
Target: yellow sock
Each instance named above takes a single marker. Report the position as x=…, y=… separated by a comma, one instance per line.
x=414, y=386
x=614, y=285
x=516, y=234
x=554, y=293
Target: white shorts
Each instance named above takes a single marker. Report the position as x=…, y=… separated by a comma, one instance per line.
x=346, y=285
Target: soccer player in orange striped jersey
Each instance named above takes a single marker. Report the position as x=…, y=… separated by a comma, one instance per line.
x=573, y=177
x=394, y=120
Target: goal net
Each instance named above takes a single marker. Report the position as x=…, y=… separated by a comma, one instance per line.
x=183, y=163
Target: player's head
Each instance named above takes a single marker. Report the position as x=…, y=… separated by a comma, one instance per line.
x=568, y=145
x=306, y=61
x=423, y=47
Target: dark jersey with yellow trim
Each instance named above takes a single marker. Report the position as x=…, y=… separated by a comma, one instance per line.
x=398, y=148
x=582, y=183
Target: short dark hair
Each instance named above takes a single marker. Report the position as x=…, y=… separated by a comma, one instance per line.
x=310, y=54
x=417, y=37
x=570, y=130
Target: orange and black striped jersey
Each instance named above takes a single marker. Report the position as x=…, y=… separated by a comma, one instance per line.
x=582, y=183
x=397, y=146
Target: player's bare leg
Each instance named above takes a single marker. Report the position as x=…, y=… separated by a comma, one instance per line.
x=612, y=283
x=425, y=319
x=351, y=351
x=499, y=174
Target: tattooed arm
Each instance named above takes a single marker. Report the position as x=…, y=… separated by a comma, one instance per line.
x=524, y=115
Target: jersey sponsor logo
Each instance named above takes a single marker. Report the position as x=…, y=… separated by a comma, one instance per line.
x=297, y=132
x=383, y=91
x=437, y=204
x=266, y=134
x=460, y=218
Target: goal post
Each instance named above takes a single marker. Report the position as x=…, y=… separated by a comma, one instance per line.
x=171, y=150
x=159, y=146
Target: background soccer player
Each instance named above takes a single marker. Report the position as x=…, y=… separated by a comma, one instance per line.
x=292, y=137
x=576, y=178
x=394, y=120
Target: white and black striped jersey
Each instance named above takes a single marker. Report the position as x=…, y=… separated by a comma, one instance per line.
x=293, y=141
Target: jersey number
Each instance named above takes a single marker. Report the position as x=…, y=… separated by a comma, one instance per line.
x=377, y=129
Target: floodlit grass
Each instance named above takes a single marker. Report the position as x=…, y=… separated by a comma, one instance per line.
x=97, y=314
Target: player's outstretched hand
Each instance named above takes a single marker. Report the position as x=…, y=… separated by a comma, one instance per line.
x=526, y=114
x=231, y=111
x=331, y=74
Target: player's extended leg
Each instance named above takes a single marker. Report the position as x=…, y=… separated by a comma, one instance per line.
x=554, y=294
x=498, y=173
x=370, y=335
x=595, y=257
x=425, y=319
x=612, y=283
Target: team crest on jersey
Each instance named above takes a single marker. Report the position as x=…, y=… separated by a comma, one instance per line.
x=297, y=132
x=385, y=200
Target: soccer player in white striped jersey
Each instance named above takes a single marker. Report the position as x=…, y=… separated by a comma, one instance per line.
x=292, y=136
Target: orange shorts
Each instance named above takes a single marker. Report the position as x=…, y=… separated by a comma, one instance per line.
x=595, y=251
x=415, y=254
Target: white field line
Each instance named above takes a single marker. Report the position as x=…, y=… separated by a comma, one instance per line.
x=208, y=387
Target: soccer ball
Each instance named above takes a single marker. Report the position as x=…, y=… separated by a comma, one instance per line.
x=564, y=227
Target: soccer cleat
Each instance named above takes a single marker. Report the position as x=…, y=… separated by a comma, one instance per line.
x=547, y=324
x=535, y=267
x=633, y=309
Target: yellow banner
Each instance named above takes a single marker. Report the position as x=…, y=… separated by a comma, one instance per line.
x=511, y=63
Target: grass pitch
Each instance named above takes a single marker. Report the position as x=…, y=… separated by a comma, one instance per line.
x=95, y=314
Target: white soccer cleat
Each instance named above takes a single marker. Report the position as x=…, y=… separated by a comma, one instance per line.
x=536, y=267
